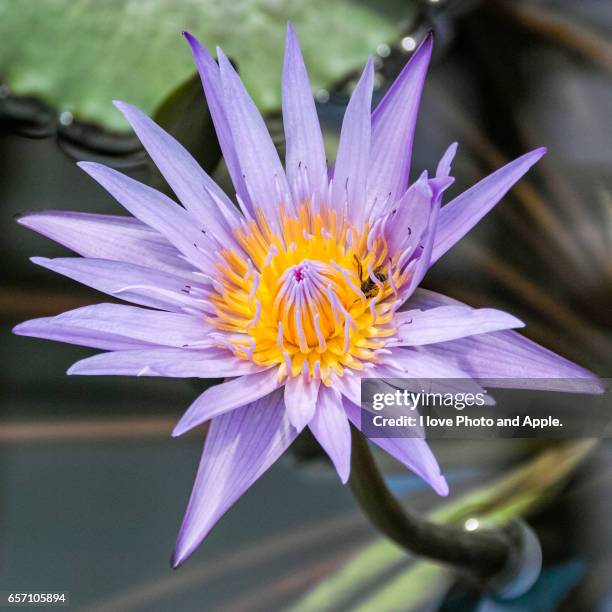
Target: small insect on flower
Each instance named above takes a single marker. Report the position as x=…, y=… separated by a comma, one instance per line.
x=370, y=286
x=293, y=292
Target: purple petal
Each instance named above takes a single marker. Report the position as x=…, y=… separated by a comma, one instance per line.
x=264, y=174
x=301, y=400
x=444, y=165
x=460, y=215
x=349, y=386
x=417, y=327
x=437, y=186
x=241, y=445
x=139, y=324
x=49, y=329
x=126, y=281
x=331, y=428
x=423, y=263
x=507, y=354
x=393, y=123
x=156, y=210
x=108, y=237
x=213, y=89
x=502, y=355
x=414, y=453
x=227, y=396
x=168, y=362
x=200, y=195
x=409, y=217
x=305, y=157
x=424, y=366
x=353, y=159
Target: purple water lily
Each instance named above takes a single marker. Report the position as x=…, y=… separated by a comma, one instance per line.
x=306, y=286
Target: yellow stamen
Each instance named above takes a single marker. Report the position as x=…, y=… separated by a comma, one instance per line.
x=311, y=298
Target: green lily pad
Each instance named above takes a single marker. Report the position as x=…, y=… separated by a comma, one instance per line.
x=78, y=55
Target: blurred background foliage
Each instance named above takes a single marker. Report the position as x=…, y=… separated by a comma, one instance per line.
x=78, y=54
x=90, y=483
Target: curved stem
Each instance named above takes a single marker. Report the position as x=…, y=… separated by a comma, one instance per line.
x=485, y=553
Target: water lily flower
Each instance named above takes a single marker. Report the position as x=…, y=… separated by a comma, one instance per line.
x=305, y=285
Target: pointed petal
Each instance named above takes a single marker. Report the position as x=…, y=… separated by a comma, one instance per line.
x=108, y=237
x=200, y=195
x=506, y=354
x=241, y=445
x=330, y=427
x=227, y=396
x=353, y=159
x=48, y=328
x=213, y=90
x=304, y=142
x=126, y=281
x=393, y=123
x=156, y=210
x=140, y=324
x=460, y=215
x=264, y=174
x=423, y=263
x=301, y=400
x=409, y=217
x=444, y=165
x=437, y=186
x=414, y=453
x=417, y=327
x=168, y=362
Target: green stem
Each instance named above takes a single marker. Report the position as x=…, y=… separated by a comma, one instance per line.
x=485, y=554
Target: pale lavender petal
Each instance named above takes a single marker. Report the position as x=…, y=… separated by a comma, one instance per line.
x=437, y=186
x=200, y=195
x=213, y=89
x=240, y=446
x=127, y=281
x=506, y=354
x=305, y=158
x=414, y=453
x=227, y=396
x=353, y=159
x=416, y=363
x=417, y=327
x=108, y=237
x=48, y=328
x=393, y=123
x=423, y=367
x=444, y=165
x=158, y=211
x=460, y=215
x=261, y=167
x=423, y=263
x=167, y=362
x=349, y=386
x=301, y=400
x=409, y=217
x=140, y=324
x=331, y=428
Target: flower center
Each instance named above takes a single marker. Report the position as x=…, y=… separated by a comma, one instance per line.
x=311, y=298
